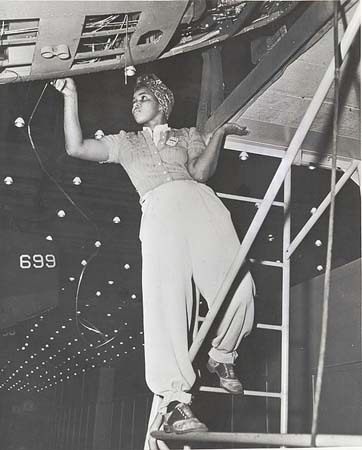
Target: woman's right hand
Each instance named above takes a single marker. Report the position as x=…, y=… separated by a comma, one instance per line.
x=66, y=86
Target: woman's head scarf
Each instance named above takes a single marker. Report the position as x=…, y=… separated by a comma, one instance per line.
x=162, y=93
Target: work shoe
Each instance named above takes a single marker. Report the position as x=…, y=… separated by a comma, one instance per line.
x=227, y=377
x=182, y=420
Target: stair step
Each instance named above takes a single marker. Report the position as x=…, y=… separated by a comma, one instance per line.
x=241, y=198
x=275, y=439
x=267, y=326
x=263, y=262
x=264, y=326
x=218, y=390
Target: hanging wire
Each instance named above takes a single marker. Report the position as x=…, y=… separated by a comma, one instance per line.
x=2, y=32
x=66, y=195
x=86, y=324
x=125, y=51
x=103, y=23
x=110, y=45
x=327, y=277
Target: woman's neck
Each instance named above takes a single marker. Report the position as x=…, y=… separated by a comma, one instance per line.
x=154, y=122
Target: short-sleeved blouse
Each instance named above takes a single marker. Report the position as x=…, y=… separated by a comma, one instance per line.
x=148, y=165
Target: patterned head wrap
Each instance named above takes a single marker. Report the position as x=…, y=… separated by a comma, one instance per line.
x=162, y=93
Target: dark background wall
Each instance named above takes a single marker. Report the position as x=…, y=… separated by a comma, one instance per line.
x=341, y=398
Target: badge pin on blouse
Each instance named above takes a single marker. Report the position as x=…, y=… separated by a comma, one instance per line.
x=172, y=141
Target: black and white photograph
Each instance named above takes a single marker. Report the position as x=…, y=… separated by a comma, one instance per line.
x=180, y=224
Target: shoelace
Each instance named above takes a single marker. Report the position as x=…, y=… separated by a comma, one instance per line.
x=185, y=411
x=229, y=369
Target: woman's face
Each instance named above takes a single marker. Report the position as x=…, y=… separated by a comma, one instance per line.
x=145, y=106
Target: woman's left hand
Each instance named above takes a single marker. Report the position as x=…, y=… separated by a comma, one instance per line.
x=234, y=128
x=224, y=130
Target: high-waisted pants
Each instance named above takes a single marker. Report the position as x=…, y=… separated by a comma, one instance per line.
x=186, y=232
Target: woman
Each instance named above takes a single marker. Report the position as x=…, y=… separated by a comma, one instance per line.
x=186, y=233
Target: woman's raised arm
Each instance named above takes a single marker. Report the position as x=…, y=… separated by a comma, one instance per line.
x=75, y=145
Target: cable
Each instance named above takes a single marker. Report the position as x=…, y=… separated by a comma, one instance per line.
x=106, y=21
x=85, y=323
x=125, y=51
x=327, y=277
x=116, y=37
x=78, y=322
x=66, y=195
x=2, y=31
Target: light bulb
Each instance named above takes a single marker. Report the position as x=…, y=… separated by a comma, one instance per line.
x=99, y=134
x=130, y=71
x=243, y=156
x=8, y=181
x=77, y=181
x=19, y=122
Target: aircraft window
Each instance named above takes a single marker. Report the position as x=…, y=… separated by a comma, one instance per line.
x=105, y=37
x=151, y=37
x=17, y=38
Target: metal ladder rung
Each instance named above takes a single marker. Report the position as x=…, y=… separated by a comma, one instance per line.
x=266, y=262
x=267, y=326
x=264, y=326
x=219, y=390
x=241, y=198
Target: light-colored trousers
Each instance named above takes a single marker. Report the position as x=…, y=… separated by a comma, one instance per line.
x=186, y=233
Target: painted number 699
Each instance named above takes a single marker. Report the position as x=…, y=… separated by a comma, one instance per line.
x=37, y=261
